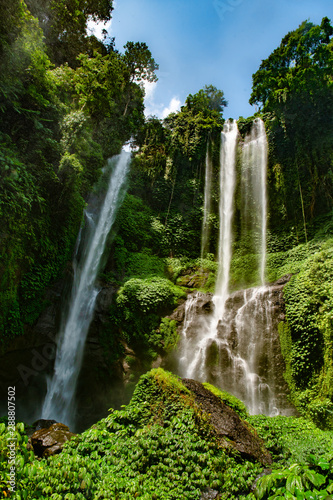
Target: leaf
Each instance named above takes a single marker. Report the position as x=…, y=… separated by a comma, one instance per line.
x=293, y=483
x=319, y=480
x=264, y=484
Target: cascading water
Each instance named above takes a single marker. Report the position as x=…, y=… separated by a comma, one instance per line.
x=59, y=401
x=254, y=173
x=227, y=189
x=208, y=331
x=207, y=204
x=243, y=355
x=232, y=341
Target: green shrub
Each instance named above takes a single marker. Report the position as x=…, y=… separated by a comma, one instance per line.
x=292, y=439
x=313, y=482
x=140, y=304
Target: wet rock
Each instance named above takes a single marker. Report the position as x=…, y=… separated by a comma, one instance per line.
x=49, y=441
x=43, y=423
x=283, y=280
x=157, y=363
x=204, y=303
x=179, y=313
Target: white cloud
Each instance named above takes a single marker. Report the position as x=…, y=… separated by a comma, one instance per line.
x=151, y=108
x=150, y=88
x=174, y=106
x=95, y=28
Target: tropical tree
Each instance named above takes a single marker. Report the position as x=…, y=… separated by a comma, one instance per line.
x=294, y=85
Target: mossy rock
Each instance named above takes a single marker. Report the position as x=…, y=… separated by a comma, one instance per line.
x=162, y=392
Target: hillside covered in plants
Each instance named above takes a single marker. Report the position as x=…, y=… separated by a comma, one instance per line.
x=68, y=102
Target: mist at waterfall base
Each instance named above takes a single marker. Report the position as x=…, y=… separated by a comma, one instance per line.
x=99, y=217
x=232, y=340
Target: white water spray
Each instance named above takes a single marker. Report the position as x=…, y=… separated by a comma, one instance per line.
x=207, y=204
x=254, y=173
x=227, y=190
x=59, y=401
x=193, y=361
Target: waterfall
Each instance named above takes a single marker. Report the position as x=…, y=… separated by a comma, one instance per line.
x=227, y=189
x=249, y=345
x=59, y=401
x=241, y=354
x=232, y=341
x=207, y=204
x=194, y=353
x=254, y=173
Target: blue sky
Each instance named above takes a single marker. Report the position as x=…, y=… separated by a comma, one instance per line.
x=219, y=42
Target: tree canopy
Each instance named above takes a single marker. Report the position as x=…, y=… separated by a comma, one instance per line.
x=67, y=103
x=298, y=75
x=64, y=25
x=294, y=86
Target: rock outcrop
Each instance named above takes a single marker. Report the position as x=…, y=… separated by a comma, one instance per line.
x=50, y=440
x=229, y=427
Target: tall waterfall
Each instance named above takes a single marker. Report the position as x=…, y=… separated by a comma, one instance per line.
x=207, y=204
x=59, y=401
x=227, y=189
x=254, y=173
x=194, y=354
x=232, y=341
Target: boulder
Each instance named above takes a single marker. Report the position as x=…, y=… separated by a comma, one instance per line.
x=210, y=494
x=49, y=441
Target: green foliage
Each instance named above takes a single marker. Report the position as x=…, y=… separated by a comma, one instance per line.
x=24, y=462
x=169, y=333
x=230, y=400
x=135, y=225
x=294, y=85
x=208, y=101
x=292, y=439
x=158, y=447
x=143, y=265
x=320, y=410
x=168, y=170
x=312, y=482
x=244, y=270
x=65, y=26
x=306, y=335
x=203, y=271
x=301, y=64
x=290, y=261
x=309, y=312
x=140, y=304
x=140, y=62
x=58, y=126
x=148, y=295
